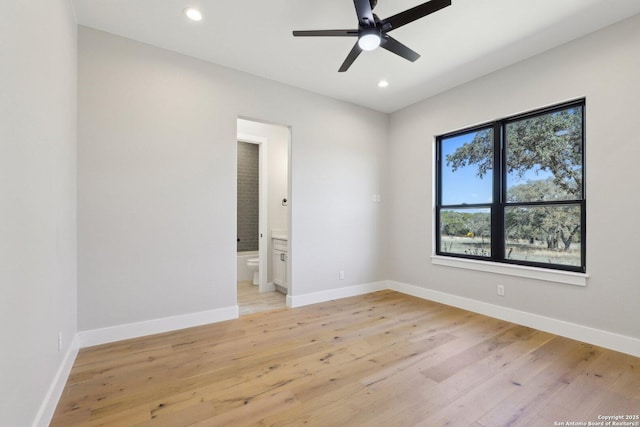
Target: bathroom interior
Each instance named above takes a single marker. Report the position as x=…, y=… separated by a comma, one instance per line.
x=262, y=216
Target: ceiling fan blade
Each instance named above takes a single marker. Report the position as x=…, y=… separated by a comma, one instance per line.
x=394, y=46
x=365, y=12
x=326, y=33
x=355, y=52
x=410, y=15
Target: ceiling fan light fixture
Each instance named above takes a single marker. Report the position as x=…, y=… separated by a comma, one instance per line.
x=369, y=40
x=193, y=14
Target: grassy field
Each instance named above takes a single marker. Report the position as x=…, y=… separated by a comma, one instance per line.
x=520, y=250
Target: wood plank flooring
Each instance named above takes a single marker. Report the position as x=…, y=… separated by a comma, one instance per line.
x=382, y=359
x=251, y=300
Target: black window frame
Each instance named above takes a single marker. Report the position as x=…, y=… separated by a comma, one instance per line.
x=499, y=204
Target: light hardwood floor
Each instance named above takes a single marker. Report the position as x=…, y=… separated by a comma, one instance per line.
x=383, y=359
x=251, y=300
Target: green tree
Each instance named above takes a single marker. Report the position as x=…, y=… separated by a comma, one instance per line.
x=479, y=223
x=549, y=223
x=453, y=223
x=478, y=152
x=550, y=143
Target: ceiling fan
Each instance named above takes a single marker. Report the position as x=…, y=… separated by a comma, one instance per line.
x=372, y=31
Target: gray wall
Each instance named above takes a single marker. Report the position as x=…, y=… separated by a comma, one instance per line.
x=248, y=196
x=603, y=67
x=157, y=182
x=38, y=83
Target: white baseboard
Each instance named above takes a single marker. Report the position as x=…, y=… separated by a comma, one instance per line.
x=156, y=326
x=50, y=402
x=574, y=331
x=322, y=296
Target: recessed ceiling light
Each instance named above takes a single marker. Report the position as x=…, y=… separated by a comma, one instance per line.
x=383, y=83
x=193, y=14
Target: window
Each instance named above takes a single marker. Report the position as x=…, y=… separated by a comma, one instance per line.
x=512, y=191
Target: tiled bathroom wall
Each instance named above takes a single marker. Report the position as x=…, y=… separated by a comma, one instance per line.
x=248, y=193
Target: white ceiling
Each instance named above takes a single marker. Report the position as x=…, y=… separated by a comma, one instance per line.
x=459, y=43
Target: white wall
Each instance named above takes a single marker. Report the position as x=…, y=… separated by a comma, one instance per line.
x=603, y=67
x=37, y=201
x=157, y=191
x=277, y=151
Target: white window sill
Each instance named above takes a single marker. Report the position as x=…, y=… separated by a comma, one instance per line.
x=566, y=277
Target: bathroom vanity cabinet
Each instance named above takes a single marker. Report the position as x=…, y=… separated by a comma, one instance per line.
x=280, y=263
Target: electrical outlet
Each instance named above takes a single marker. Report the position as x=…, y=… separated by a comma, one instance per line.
x=341, y=275
x=501, y=290
x=59, y=341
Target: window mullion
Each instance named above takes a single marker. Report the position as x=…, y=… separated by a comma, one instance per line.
x=497, y=208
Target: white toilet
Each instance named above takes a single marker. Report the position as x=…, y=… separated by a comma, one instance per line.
x=253, y=264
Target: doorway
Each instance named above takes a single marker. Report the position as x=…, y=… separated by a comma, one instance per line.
x=263, y=215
